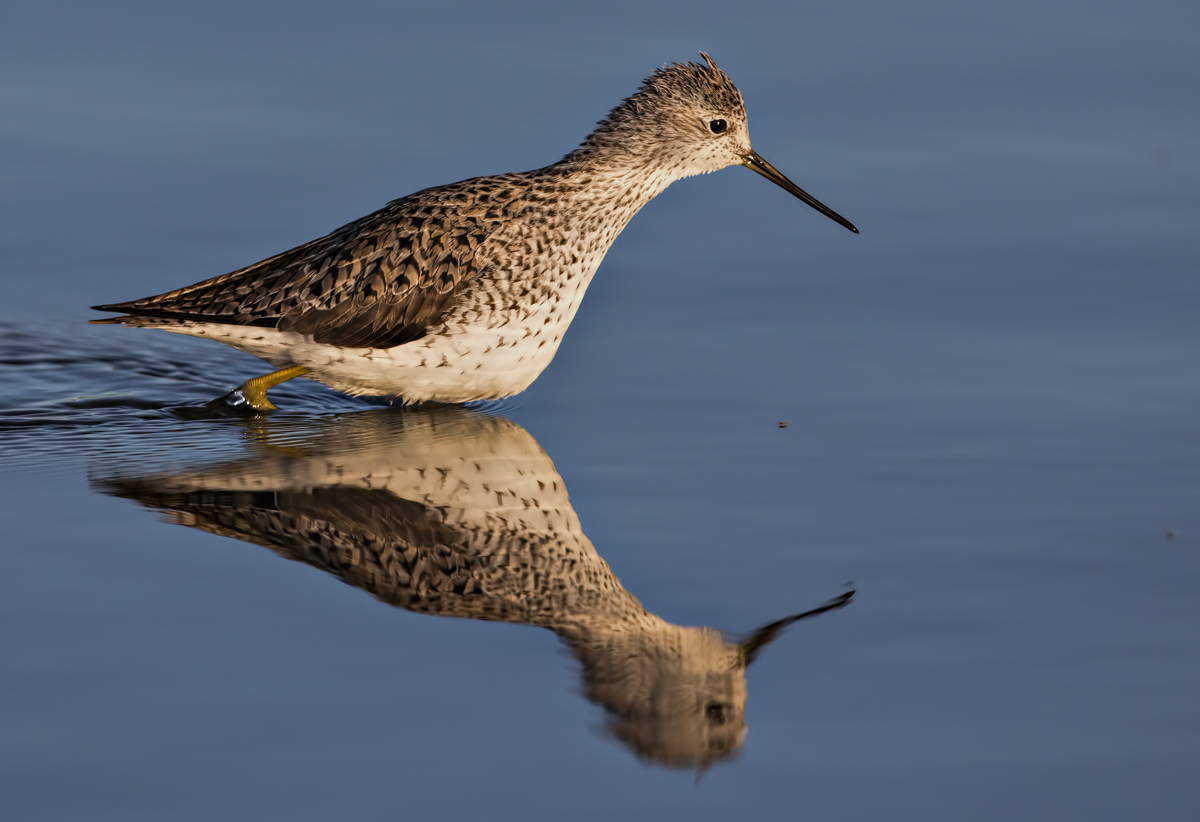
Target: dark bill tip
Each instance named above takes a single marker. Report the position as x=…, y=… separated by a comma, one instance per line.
x=752, y=161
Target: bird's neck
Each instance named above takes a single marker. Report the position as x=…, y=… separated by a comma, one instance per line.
x=615, y=182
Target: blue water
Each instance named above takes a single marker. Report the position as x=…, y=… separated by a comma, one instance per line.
x=991, y=402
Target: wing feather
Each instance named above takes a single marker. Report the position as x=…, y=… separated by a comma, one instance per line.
x=378, y=282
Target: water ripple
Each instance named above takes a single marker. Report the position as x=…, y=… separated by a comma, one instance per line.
x=72, y=391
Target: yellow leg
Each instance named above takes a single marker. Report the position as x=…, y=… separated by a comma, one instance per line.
x=254, y=390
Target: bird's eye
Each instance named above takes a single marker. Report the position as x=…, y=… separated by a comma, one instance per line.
x=717, y=126
x=715, y=713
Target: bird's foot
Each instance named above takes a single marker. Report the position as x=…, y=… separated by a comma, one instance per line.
x=253, y=392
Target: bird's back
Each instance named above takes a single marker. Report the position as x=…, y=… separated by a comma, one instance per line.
x=379, y=281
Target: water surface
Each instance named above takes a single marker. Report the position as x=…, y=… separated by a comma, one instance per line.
x=990, y=400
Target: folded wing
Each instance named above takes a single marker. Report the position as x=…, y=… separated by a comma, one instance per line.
x=378, y=282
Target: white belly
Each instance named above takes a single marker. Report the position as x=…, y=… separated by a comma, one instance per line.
x=454, y=363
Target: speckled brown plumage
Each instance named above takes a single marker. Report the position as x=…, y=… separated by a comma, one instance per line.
x=444, y=277
x=379, y=282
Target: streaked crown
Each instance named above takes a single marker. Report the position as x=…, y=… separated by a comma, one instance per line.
x=686, y=117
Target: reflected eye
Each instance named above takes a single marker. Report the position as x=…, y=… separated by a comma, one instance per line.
x=717, y=126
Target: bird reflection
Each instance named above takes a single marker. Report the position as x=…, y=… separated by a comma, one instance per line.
x=451, y=512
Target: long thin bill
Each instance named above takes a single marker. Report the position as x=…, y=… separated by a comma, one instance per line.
x=752, y=161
